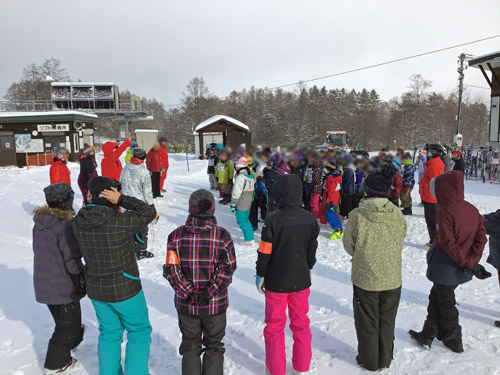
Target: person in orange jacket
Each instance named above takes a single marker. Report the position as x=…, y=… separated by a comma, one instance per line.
x=164, y=162
x=111, y=165
x=59, y=171
x=434, y=167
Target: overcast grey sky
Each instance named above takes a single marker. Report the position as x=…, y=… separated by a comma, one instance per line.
x=153, y=47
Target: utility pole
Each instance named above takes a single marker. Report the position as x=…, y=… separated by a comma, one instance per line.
x=461, y=68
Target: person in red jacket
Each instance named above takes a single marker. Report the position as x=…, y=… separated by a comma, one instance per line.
x=59, y=171
x=164, y=163
x=452, y=260
x=329, y=205
x=153, y=162
x=111, y=166
x=434, y=167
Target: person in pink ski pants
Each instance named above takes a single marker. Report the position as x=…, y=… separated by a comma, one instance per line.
x=286, y=255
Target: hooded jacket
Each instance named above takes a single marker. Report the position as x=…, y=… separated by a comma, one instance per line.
x=136, y=182
x=106, y=239
x=433, y=168
x=374, y=237
x=59, y=172
x=332, y=189
x=200, y=256
x=459, y=165
x=287, y=250
x=56, y=255
x=460, y=228
x=243, y=191
x=111, y=165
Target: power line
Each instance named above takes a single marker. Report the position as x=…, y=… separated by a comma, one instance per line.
x=372, y=66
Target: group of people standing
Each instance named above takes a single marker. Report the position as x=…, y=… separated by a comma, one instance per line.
x=295, y=193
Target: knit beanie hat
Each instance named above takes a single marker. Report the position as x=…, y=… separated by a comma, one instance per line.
x=241, y=163
x=202, y=204
x=96, y=186
x=139, y=153
x=378, y=183
x=59, y=195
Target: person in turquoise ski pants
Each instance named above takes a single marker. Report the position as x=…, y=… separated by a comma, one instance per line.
x=243, y=191
x=114, y=318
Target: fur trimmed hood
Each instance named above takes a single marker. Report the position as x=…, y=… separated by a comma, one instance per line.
x=58, y=213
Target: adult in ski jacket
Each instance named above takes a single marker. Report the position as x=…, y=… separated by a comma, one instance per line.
x=434, y=167
x=458, y=162
x=111, y=166
x=153, y=162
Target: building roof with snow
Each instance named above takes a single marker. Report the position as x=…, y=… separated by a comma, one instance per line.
x=221, y=118
x=49, y=116
x=493, y=59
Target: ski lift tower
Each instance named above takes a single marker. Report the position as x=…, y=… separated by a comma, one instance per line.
x=491, y=63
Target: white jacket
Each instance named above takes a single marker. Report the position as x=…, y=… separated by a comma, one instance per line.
x=243, y=190
x=136, y=182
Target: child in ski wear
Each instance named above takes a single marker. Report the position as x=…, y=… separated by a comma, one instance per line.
x=58, y=275
x=106, y=239
x=136, y=182
x=286, y=255
x=331, y=201
x=213, y=160
x=241, y=203
x=199, y=267
x=348, y=188
x=452, y=260
x=374, y=237
x=397, y=183
x=259, y=199
x=225, y=174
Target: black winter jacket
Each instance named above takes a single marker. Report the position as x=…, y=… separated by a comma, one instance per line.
x=459, y=165
x=289, y=240
x=106, y=239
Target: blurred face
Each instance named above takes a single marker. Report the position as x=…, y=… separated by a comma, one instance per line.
x=156, y=146
x=223, y=157
x=164, y=143
x=65, y=157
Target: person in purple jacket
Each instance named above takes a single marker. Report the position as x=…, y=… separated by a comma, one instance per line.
x=200, y=265
x=58, y=275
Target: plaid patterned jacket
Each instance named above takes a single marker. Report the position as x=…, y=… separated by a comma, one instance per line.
x=200, y=255
x=106, y=239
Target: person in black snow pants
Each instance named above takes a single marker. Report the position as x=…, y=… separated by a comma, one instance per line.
x=58, y=275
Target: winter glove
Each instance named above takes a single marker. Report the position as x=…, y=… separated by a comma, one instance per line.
x=192, y=298
x=259, y=283
x=79, y=286
x=331, y=206
x=233, y=208
x=480, y=272
x=204, y=298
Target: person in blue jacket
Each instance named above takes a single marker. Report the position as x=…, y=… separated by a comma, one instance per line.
x=408, y=183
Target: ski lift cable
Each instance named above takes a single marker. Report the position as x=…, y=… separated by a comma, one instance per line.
x=371, y=67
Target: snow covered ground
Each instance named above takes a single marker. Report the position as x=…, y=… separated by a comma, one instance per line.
x=25, y=326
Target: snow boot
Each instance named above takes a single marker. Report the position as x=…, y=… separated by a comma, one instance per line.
x=407, y=211
x=420, y=339
x=337, y=234
x=454, y=345
x=497, y=323
x=295, y=372
x=72, y=364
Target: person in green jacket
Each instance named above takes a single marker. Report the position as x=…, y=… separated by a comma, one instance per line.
x=224, y=171
x=374, y=238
